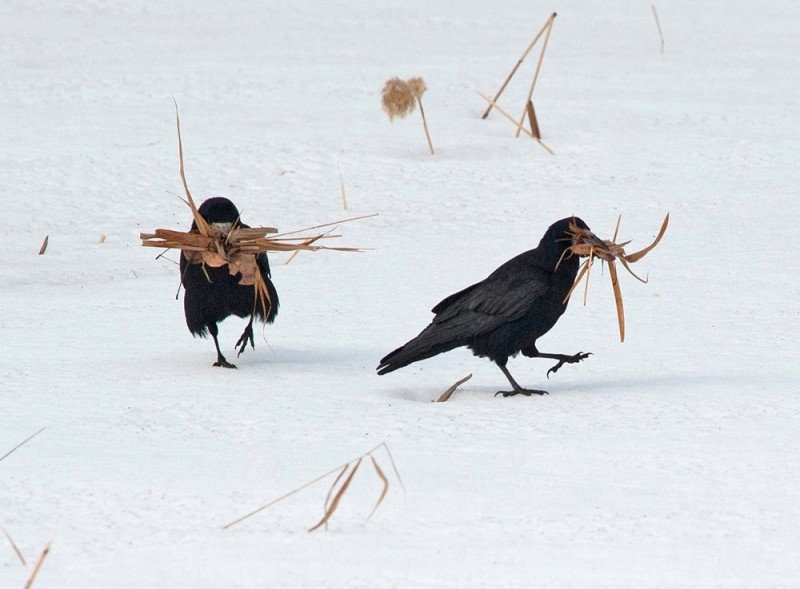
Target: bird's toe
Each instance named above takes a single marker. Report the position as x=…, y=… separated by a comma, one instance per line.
x=224, y=363
x=525, y=392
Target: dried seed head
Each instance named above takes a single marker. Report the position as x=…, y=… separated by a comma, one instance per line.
x=397, y=98
x=417, y=86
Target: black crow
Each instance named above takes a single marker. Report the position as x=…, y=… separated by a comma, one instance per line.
x=212, y=294
x=508, y=311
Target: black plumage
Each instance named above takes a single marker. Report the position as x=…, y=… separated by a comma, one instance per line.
x=508, y=311
x=213, y=294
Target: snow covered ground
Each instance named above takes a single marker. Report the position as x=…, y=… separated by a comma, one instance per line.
x=669, y=460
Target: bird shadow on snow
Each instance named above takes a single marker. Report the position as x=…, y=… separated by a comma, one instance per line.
x=661, y=383
x=276, y=356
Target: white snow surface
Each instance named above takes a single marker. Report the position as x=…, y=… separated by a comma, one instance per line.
x=669, y=460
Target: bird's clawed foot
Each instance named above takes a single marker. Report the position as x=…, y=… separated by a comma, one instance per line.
x=247, y=336
x=526, y=392
x=568, y=360
x=221, y=361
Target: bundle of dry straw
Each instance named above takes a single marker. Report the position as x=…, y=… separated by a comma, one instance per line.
x=239, y=247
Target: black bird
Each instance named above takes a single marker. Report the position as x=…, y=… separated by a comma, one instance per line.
x=212, y=294
x=508, y=311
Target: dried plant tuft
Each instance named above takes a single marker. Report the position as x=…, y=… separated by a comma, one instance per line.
x=399, y=97
x=417, y=87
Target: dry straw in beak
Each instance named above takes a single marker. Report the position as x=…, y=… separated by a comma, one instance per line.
x=610, y=251
x=239, y=248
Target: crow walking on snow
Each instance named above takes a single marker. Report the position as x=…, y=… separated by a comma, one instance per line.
x=508, y=311
x=212, y=294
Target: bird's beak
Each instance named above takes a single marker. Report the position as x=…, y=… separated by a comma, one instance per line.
x=585, y=243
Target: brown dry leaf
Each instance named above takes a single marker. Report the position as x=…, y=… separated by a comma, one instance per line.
x=337, y=498
x=385, y=481
x=612, y=270
x=339, y=476
x=445, y=396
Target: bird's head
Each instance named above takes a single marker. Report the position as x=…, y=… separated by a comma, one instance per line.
x=572, y=237
x=220, y=213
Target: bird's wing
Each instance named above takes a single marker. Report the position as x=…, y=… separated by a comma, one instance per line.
x=506, y=295
x=496, y=300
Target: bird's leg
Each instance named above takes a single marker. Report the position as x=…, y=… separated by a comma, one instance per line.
x=562, y=359
x=518, y=390
x=221, y=361
x=247, y=336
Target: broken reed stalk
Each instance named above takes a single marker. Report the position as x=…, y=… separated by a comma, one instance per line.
x=519, y=63
x=22, y=443
x=533, y=122
x=658, y=25
x=37, y=566
x=44, y=245
x=445, y=396
x=507, y=115
x=330, y=505
x=536, y=73
x=14, y=546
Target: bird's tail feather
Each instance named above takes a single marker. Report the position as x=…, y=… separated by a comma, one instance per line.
x=432, y=341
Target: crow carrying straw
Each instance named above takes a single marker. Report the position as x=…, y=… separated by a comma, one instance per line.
x=212, y=293
x=508, y=311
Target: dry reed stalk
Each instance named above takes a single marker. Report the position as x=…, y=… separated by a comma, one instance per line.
x=611, y=252
x=202, y=225
x=44, y=245
x=334, y=495
x=536, y=73
x=516, y=122
x=522, y=58
x=102, y=238
x=445, y=396
x=22, y=443
x=14, y=546
x=343, y=191
x=37, y=566
x=399, y=97
x=658, y=25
